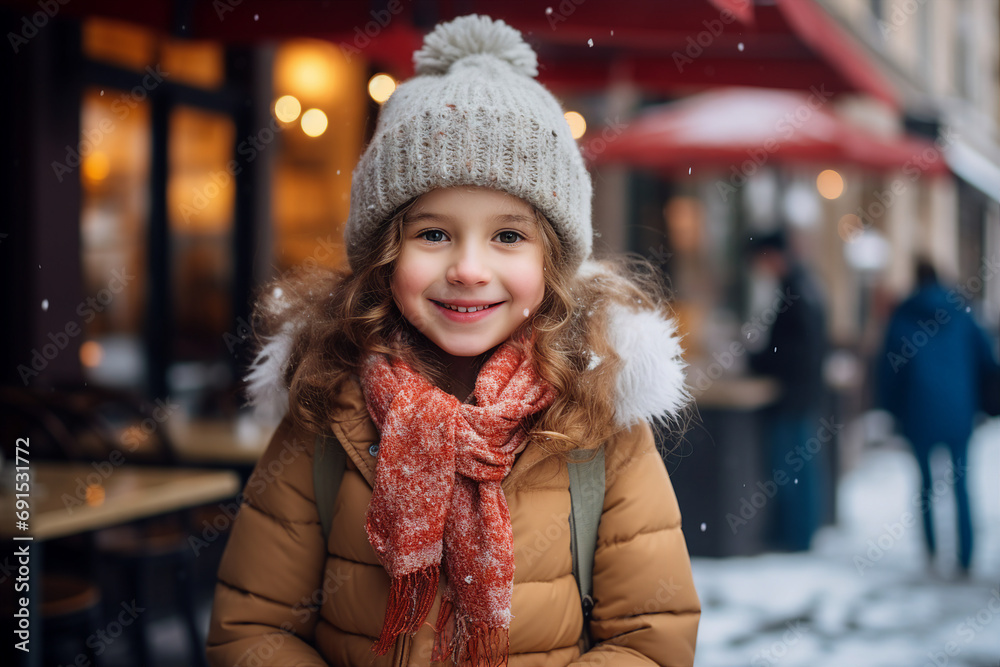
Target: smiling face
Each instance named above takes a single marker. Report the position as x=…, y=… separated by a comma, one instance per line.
x=470, y=269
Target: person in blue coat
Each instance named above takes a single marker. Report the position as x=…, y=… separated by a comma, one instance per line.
x=930, y=380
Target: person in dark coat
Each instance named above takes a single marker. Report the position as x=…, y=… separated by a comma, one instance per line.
x=794, y=355
x=929, y=379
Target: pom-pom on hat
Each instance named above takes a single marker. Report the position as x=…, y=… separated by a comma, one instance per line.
x=473, y=115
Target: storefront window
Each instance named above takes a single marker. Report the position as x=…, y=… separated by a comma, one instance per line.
x=114, y=173
x=312, y=174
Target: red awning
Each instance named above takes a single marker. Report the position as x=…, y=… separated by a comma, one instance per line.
x=672, y=48
x=728, y=127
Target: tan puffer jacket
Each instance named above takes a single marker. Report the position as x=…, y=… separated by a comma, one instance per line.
x=284, y=599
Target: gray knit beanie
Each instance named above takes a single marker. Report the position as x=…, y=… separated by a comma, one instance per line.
x=473, y=115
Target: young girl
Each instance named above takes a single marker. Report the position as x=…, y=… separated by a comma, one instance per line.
x=467, y=355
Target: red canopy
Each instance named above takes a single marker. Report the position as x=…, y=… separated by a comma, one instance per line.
x=729, y=126
x=675, y=47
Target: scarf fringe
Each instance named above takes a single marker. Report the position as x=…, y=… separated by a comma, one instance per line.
x=411, y=597
x=469, y=643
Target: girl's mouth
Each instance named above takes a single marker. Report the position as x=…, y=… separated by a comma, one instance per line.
x=465, y=309
x=464, y=313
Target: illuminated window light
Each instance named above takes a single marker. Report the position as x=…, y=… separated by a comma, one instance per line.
x=314, y=122
x=91, y=354
x=830, y=184
x=287, y=108
x=381, y=87
x=577, y=124
x=96, y=166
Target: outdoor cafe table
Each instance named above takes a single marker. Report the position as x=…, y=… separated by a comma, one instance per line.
x=218, y=442
x=72, y=498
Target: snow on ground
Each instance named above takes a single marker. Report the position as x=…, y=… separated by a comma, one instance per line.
x=865, y=595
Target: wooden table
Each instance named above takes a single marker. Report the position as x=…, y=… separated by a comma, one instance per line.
x=218, y=442
x=71, y=498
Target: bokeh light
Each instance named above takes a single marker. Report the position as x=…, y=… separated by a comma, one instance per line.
x=314, y=122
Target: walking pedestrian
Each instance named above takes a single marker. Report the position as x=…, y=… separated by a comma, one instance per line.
x=794, y=355
x=470, y=350
x=930, y=372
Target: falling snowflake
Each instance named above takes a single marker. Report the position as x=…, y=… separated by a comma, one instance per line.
x=548, y=11
x=740, y=46
x=256, y=17
x=45, y=304
x=704, y=527
x=590, y=42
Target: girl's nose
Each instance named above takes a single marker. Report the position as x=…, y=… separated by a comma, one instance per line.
x=468, y=267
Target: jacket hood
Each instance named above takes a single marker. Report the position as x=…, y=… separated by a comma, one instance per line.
x=650, y=385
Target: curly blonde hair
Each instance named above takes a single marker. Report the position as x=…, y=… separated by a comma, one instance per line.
x=348, y=315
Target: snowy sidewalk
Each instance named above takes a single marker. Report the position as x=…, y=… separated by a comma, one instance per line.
x=863, y=597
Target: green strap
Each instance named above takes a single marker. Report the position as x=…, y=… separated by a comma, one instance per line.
x=329, y=463
x=586, y=490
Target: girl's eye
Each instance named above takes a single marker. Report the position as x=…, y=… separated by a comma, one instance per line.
x=509, y=237
x=433, y=235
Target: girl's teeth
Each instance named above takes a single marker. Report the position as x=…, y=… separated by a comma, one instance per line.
x=462, y=309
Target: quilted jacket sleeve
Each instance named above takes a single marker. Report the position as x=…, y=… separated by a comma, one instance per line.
x=646, y=609
x=269, y=581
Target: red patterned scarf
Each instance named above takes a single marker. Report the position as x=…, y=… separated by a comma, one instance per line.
x=437, y=493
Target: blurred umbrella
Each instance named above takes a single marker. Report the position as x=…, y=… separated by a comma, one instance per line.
x=733, y=125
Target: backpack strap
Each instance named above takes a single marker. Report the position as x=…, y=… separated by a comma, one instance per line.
x=586, y=490
x=329, y=463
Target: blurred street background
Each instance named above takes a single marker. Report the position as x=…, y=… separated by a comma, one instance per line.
x=818, y=181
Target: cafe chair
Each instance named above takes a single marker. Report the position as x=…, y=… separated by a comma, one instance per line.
x=97, y=424
x=71, y=613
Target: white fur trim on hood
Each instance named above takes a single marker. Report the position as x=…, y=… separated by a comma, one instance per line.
x=650, y=383
x=651, y=380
